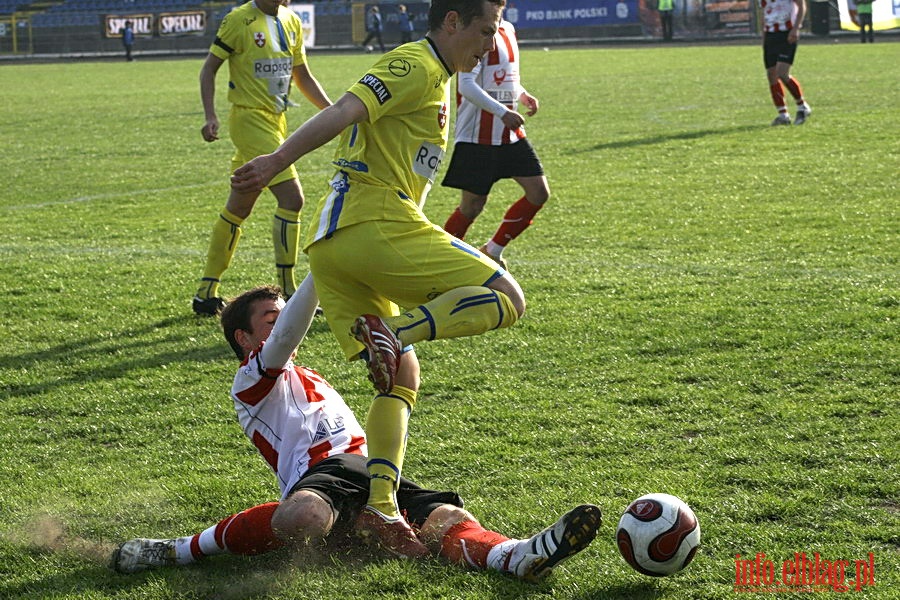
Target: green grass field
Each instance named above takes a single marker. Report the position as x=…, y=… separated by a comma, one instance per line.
x=713, y=309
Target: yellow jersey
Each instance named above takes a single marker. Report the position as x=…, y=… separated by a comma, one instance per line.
x=262, y=52
x=386, y=164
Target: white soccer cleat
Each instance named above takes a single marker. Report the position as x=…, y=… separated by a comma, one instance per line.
x=535, y=558
x=141, y=554
x=802, y=115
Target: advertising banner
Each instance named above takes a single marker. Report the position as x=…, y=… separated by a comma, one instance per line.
x=571, y=13
x=885, y=15
x=168, y=24
x=307, y=14
x=182, y=23
x=729, y=16
x=114, y=24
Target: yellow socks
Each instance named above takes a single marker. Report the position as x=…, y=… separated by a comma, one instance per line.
x=286, y=239
x=460, y=312
x=386, y=428
x=225, y=235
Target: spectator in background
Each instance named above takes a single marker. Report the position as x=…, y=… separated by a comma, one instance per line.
x=405, y=22
x=128, y=39
x=374, y=27
x=864, y=17
x=666, y=10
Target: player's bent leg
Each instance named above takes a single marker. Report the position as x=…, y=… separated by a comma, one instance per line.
x=509, y=287
x=303, y=516
x=439, y=521
x=460, y=312
x=537, y=190
x=471, y=204
x=458, y=536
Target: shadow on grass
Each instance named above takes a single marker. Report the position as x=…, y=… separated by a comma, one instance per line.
x=270, y=575
x=660, y=139
x=122, y=352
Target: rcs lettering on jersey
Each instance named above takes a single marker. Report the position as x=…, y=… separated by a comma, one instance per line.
x=428, y=160
x=377, y=86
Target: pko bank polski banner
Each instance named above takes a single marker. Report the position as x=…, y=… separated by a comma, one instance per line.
x=571, y=13
x=307, y=14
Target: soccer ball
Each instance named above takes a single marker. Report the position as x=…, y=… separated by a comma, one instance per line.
x=658, y=534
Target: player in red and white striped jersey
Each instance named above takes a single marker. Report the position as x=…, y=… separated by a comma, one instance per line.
x=490, y=145
x=314, y=444
x=781, y=32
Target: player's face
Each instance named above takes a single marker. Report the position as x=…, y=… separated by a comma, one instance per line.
x=476, y=39
x=265, y=313
x=270, y=7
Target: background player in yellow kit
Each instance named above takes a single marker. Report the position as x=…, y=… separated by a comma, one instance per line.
x=263, y=44
x=372, y=250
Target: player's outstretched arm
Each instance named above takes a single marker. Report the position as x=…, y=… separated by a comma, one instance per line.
x=320, y=129
x=292, y=325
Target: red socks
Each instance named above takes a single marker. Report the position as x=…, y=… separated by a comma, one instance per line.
x=248, y=532
x=457, y=224
x=777, y=92
x=515, y=221
x=468, y=543
x=793, y=87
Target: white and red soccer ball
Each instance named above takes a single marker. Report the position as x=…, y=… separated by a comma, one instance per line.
x=658, y=534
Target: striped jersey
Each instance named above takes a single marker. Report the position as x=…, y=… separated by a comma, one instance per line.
x=498, y=75
x=387, y=163
x=778, y=15
x=293, y=417
x=262, y=52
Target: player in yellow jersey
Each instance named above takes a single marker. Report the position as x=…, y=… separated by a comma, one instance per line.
x=372, y=250
x=263, y=44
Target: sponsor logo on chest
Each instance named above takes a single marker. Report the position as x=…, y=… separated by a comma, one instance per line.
x=268, y=68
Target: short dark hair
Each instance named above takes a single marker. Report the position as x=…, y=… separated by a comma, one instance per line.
x=467, y=9
x=236, y=314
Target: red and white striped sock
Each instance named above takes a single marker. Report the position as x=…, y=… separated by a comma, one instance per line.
x=247, y=532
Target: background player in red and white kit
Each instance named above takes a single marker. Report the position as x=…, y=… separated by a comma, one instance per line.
x=781, y=32
x=316, y=449
x=490, y=145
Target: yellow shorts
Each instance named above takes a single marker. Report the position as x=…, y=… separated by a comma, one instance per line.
x=256, y=132
x=377, y=267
